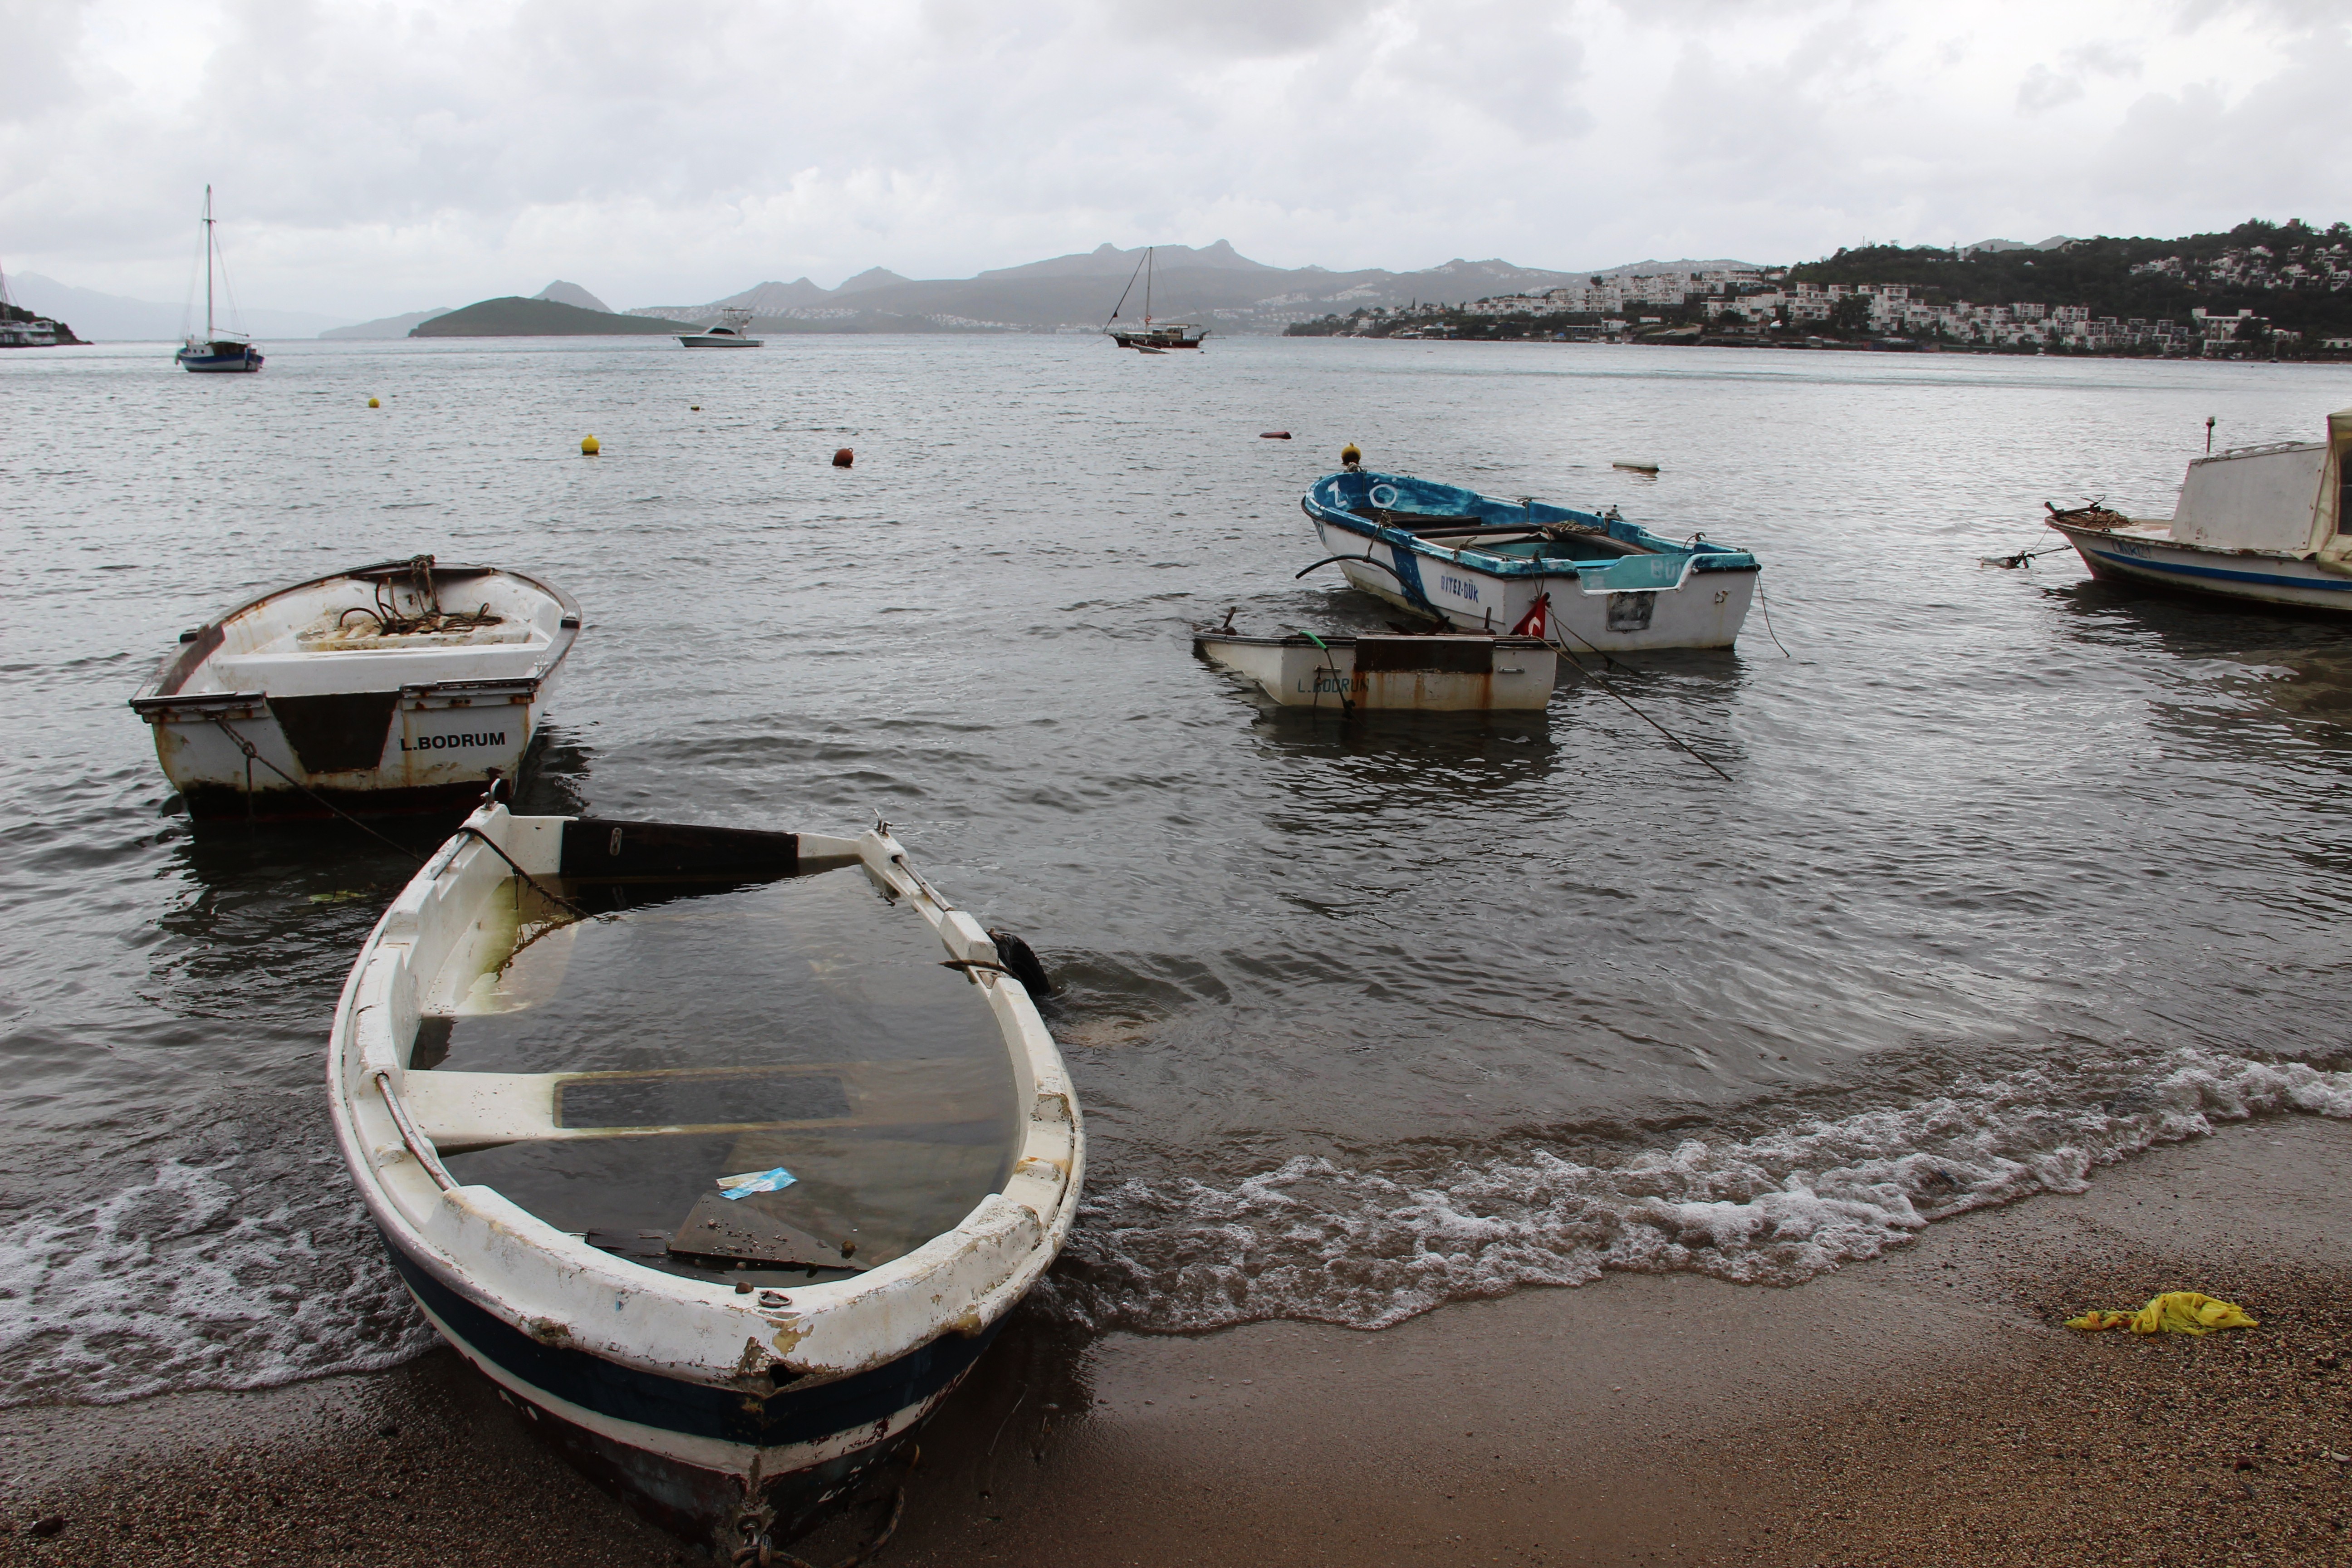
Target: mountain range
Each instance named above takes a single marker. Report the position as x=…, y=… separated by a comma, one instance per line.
x=1215, y=286
x=116, y=318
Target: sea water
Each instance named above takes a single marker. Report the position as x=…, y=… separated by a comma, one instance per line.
x=2015, y=874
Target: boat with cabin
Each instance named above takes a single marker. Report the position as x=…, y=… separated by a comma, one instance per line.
x=1587, y=581
x=1153, y=336
x=399, y=686
x=217, y=350
x=2269, y=524
x=1448, y=672
x=723, y=1153
x=731, y=332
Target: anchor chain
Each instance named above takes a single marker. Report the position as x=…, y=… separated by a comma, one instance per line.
x=756, y=1518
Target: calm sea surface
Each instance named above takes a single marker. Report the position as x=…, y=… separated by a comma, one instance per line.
x=2015, y=873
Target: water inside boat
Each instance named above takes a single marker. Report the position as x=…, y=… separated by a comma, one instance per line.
x=1538, y=540
x=802, y=1024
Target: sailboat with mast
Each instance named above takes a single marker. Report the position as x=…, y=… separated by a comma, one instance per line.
x=1153, y=336
x=217, y=350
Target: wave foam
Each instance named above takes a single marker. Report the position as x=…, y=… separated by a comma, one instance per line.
x=1314, y=1240
x=190, y=1280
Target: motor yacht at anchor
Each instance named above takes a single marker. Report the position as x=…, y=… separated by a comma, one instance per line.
x=2269, y=524
x=732, y=331
x=404, y=686
x=1591, y=581
x=722, y=1153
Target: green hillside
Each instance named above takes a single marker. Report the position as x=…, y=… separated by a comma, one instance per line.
x=516, y=317
x=2290, y=272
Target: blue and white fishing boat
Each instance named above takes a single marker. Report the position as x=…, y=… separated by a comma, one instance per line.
x=723, y=1153
x=216, y=350
x=2268, y=525
x=1589, y=581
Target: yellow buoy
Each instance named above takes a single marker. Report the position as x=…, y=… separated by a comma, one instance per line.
x=374, y=404
x=589, y=446
x=696, y=407
x=1350, y=457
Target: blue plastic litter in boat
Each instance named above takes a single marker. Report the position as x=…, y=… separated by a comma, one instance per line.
x=743, y=1186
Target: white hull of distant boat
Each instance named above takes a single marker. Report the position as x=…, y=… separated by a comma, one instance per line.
x=731, y=333
x=2265, y=525
x=1438, y=673
x=722, y=1410
x=358, y=690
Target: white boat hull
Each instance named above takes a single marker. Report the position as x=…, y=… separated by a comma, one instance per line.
x=1706, y=611
x=1421, y=674
x=703, y=1403
x=2256, y=576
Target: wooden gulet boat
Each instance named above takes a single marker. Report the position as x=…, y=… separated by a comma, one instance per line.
x=1591, y=581
x=2268, y=525
x=360, y=692
x=722, y=1153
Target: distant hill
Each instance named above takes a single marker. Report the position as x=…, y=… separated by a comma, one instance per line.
x=116, y=318
x=1215, y=285
x=387, y=326
x=564, y=293
x=513, y=316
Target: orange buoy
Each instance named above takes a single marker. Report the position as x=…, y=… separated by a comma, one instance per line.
x=842, y=457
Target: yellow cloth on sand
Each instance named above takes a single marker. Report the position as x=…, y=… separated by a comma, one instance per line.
x=2174, y=1313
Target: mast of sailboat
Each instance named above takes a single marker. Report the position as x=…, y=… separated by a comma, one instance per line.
x=1146, y=286
x=208, y=264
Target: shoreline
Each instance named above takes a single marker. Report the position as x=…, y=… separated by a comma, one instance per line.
x=1922, y=1406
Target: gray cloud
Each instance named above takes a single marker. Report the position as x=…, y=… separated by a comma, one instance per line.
x=384, y=156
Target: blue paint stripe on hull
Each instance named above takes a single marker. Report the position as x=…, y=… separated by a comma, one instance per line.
x=2183, y=569
x=673, y=1404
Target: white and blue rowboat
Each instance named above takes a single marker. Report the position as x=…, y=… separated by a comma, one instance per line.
x=1440, y=672
x=723, y=1153
x=2269, y=525
x=1482, y=565
x=360, y=691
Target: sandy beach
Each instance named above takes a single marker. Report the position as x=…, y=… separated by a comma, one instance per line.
x=1924, y=1407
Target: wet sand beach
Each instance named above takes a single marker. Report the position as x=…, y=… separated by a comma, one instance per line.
x=1923, y=1407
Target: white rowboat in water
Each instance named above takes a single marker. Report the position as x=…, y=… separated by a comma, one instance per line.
x=2268, y=525
x=1438, y=673
x=1591, y=581
x=722, y=1153
x=405, y=686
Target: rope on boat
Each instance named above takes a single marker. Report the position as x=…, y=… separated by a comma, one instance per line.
x=253, y=756
x=391, y=621
x=1769, y=632
x=1597, y=679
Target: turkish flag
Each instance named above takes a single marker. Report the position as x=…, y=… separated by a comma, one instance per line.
x=1531, y=625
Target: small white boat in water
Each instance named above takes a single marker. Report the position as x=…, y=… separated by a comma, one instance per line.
x=722, y=1153
x=2268, y=525
x=1436, y=673
x=1591, y=581
x=405, y=686
x=731, y=333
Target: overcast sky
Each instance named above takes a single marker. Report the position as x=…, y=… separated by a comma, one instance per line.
x=379, y=155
